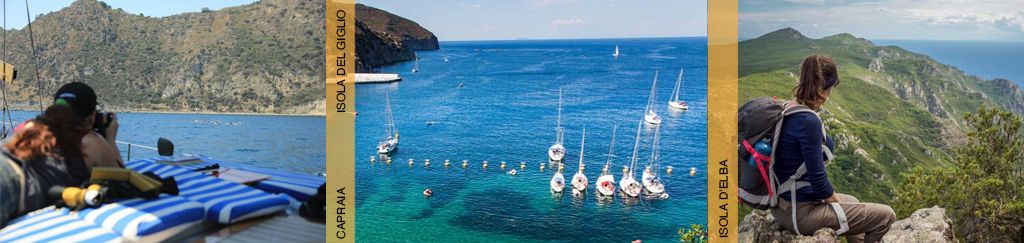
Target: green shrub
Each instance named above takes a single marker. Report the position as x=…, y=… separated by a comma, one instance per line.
x=982, y=190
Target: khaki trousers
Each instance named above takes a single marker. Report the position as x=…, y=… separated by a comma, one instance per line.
x=868, y=221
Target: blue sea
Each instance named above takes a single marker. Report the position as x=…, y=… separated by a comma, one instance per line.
x=287, y=143
x=506, y=110
x=987, y=59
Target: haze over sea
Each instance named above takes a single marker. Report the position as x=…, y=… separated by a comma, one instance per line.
x=506, y=111
x=987, y=59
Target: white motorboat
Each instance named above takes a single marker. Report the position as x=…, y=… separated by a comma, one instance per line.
x=557, y=151
x=676, y=102
x=579, y=181
x=390, y=142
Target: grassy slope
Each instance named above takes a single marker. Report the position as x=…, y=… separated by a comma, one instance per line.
x=884, y=123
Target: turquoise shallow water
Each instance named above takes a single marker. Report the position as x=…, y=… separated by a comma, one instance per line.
x=506, y=111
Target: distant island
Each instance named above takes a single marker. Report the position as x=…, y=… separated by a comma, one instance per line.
x=264, y=57
x=894, y=109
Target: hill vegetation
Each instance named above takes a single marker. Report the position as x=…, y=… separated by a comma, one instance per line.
x=264, y=57
x=893, y=110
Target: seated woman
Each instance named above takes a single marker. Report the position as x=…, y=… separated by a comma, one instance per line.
x=38, y=157
x=800, y=143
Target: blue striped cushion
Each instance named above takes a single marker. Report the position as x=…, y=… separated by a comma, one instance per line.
x=138, y=217
x=55, y=226
x=297, y=185
x=225, y=202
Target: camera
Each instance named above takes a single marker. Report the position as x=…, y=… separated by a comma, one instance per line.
x=103, y=120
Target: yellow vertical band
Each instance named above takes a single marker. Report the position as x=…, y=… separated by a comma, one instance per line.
x=722, y=106
x=340, y=65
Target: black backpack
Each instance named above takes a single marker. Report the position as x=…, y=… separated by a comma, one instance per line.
x=760, y=120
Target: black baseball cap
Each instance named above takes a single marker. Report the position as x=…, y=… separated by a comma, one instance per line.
x=79, y=96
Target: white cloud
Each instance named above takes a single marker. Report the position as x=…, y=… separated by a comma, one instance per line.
x=539, y=3
x=474, y=6
x=566, y=21
x=1013, y=23
x=806, y=1
x=891, y=19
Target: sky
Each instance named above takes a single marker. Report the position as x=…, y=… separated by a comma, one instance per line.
x=453, y=20
x=16, y=18
x=1001, y=20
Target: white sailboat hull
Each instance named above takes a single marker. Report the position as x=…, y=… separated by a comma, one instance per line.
x=557, y=182
x=605, y=185
x=652, y=118
x=678, y=105
x=388, y=145
x=579, y=182
x=556, y=152
x=652, y=183
x=629, y=186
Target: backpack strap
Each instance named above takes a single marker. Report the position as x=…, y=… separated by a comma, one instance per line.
x=792, y=183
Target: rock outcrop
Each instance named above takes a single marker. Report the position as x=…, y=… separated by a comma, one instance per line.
x=760, y=227
x=383, y=38
x=924, y=225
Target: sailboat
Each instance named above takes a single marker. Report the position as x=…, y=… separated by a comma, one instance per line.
x=390, y=142
x=416, y=66
x=616, y=54
x=675, y=102
x=649, y=115
x=628, y=185
x=557, y=152
x=579, y=181
x=606, y=182
x=558, y=181
x=652, y=183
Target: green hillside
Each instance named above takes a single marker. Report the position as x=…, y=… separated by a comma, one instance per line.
x=264, y=57
x=893, y=110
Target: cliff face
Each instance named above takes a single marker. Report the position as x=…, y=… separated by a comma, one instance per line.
x=383, y=38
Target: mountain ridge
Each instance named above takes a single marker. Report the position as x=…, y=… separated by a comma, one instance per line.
x=264, y=57
x=893, y=110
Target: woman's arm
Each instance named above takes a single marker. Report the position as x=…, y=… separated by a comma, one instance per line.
x=810, y=137
x=98, y=152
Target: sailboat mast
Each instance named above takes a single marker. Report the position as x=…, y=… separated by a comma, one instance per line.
x=636, y=147
x=611, y=147
x=654, y=151
x=390, y=120
x=583, y=141
x=678, y=85
x=559, y=128
x=650, y=98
